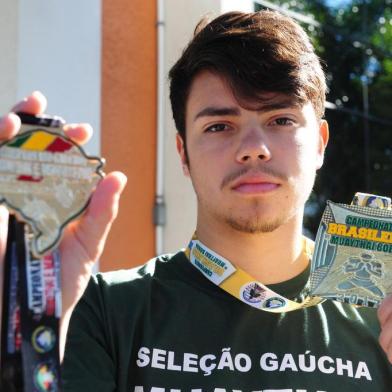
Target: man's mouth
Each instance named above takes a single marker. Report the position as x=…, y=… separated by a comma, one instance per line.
x=255, y=185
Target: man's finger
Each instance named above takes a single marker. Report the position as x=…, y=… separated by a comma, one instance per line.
x=79, y=133
x=385, y=338
x=9, y=126
x=3, y=243
x=385, y=310
x=3, y=230
x=94, y=226
x=35, y=103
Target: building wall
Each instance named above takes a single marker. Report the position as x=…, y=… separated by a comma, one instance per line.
x=54, y=47
x=129, y=125
x=59, y=52
x=235, y=5
x=9, y=54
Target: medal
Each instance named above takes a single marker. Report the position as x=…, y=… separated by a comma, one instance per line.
x=351, y=260
x=46, y=181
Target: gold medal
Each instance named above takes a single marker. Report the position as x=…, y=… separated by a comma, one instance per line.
x=352, y=261
x=46, y=180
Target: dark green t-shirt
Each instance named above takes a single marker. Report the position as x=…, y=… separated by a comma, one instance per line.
x=166, y=328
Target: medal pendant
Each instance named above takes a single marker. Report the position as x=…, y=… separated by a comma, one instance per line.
x=46, y=181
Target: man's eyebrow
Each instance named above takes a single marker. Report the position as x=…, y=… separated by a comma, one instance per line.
x=286, y=104
x=211, y=111
x=217, y=111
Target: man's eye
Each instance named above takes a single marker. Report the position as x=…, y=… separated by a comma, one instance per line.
x=217, y=128
x=283, y=121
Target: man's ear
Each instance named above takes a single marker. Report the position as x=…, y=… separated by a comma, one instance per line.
x=182, y=153
x=323, y=141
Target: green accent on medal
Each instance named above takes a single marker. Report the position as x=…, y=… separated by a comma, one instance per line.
x=18, y=141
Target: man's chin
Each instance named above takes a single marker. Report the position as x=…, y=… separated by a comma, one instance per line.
x=253, y=226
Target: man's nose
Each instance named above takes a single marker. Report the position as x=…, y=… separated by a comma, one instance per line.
x=253, y=146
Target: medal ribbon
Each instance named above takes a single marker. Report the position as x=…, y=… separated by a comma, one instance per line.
x=48, y=181
x=243, y=286
x=31, y=314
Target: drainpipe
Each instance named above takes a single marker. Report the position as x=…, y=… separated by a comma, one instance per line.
x=160, y=206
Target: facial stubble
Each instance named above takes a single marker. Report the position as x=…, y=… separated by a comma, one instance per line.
x=249, y=217
x=255, y=223
x=252, y=219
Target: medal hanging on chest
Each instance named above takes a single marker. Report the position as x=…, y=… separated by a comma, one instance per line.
x=45, y=181
x=352, y=270
x=353, y=259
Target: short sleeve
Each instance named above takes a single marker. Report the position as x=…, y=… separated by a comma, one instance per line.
x=88, y=365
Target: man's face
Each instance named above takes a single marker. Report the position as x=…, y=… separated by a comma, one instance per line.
x=251, y=169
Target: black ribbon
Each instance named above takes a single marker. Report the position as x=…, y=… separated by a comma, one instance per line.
x=30, y=319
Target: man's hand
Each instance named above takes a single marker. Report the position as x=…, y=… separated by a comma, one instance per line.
x=83, y=239
x=385, y=317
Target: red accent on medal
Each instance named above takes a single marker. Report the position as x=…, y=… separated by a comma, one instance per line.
x=59, y=145
x=29, y=178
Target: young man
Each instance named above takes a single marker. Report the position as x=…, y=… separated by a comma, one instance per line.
x=248, y=99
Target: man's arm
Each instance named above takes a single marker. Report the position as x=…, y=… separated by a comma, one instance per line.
x=83, y=239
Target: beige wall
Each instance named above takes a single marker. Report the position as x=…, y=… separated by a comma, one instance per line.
x=40, y=51
x=59, y=53
x=8, y=50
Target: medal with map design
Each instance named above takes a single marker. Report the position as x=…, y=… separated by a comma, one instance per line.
x=46, y=181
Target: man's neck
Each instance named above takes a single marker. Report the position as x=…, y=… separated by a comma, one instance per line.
x=269, y=257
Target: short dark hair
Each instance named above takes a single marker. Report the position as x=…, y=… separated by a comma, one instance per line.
x=256, y=53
